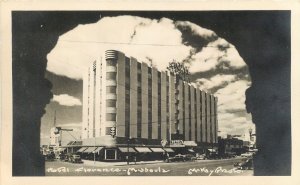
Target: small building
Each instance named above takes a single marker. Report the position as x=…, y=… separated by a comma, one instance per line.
x=230, y=146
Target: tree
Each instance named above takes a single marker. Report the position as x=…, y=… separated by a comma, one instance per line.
x=180, y=70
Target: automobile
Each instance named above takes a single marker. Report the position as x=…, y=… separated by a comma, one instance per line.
x=248, y=154
x=67, y=158
x=201, y=157
x=50, y=157
x=245, y=164
x=189, y=157
x=75, y=158
x=213, y=156
x=61, y=157
x=176, y=158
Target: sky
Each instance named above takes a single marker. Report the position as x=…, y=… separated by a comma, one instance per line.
x=215, y=65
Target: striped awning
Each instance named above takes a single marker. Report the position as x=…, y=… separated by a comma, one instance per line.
x=90, y=149
x=157, y=150
x=170, y=150
x=143, y=149
x=189, y=143
x=126, y=150
x=98, y=149
x=212, y=150
x=191, y=150
x=82, y=149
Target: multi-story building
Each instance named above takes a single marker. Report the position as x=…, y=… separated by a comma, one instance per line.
x=130, y=106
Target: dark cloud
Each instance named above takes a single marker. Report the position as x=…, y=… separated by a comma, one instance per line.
x=65, y=85
x=190, y=38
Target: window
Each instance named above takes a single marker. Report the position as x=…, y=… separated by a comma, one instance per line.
x=111, y=76
x=111, y=103
x=139, y=65
x=110, y=154
x=107, y=130
x=127, y=73
x=111, y=63
x=111, y=89
x=110, y=117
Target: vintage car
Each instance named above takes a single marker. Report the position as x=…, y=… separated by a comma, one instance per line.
x=245, y=164
x=75, y=158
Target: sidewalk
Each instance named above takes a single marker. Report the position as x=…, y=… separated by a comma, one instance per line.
x=102, y=164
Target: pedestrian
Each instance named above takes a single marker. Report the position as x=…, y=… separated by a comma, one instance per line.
x=167, y=157
x=134, y=159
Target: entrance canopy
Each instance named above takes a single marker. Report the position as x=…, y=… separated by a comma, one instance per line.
x=98, y=150
x=127, y=150
x=82, y=149
x=191, y=150
x=190, y=143
x=169, y=150
x=157, y=150
x=143, y=149
x=212, y=150
x=90, y=149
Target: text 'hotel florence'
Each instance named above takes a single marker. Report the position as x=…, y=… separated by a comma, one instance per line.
x=129, y=106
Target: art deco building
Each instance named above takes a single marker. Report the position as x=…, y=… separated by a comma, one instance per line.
x=128, y=102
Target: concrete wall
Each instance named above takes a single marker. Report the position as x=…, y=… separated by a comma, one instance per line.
x=186, y=118
x=193, y=115
x=133, y=98
x=154, y=104
x=198, y=112
x=163, y=106
x=204, y=118
x=144, y=100
x=120, y=127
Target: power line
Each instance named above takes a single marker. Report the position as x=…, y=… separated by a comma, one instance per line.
x=138, y=44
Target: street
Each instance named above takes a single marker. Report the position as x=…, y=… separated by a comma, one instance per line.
x=191, y=168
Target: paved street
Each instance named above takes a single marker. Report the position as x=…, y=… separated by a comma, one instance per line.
x=195, y=168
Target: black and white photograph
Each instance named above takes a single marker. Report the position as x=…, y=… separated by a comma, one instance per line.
x=157, y=92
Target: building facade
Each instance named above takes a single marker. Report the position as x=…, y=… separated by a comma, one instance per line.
x=126, y=102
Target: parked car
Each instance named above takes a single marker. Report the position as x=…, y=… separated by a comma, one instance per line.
x=201, y=157
x=50, y=157
x=248, y=154
x=189, y=157
x=245, y=164
x=177, y=157
x=75, y=158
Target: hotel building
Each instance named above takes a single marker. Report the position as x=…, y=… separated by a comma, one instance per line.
x=129, y=106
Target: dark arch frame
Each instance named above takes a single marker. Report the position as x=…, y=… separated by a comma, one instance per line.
x=261, y=37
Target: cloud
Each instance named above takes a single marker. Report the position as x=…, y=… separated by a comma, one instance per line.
x=159, y=41
x=66, y=100
x=215, y=81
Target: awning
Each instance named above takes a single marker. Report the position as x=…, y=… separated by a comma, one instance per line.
x=125, y=150
x=157, y=150
x=82, y=149
x=191, y=150
x=190, y=143
x=90, y=149
x=170, y=150
x=98, y=149
x=61, y=149
x=143, y=149
x=212, y=150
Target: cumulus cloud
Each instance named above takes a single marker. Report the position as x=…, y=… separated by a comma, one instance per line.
x=158, y=42
x=215, y=81
x=66, y=100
